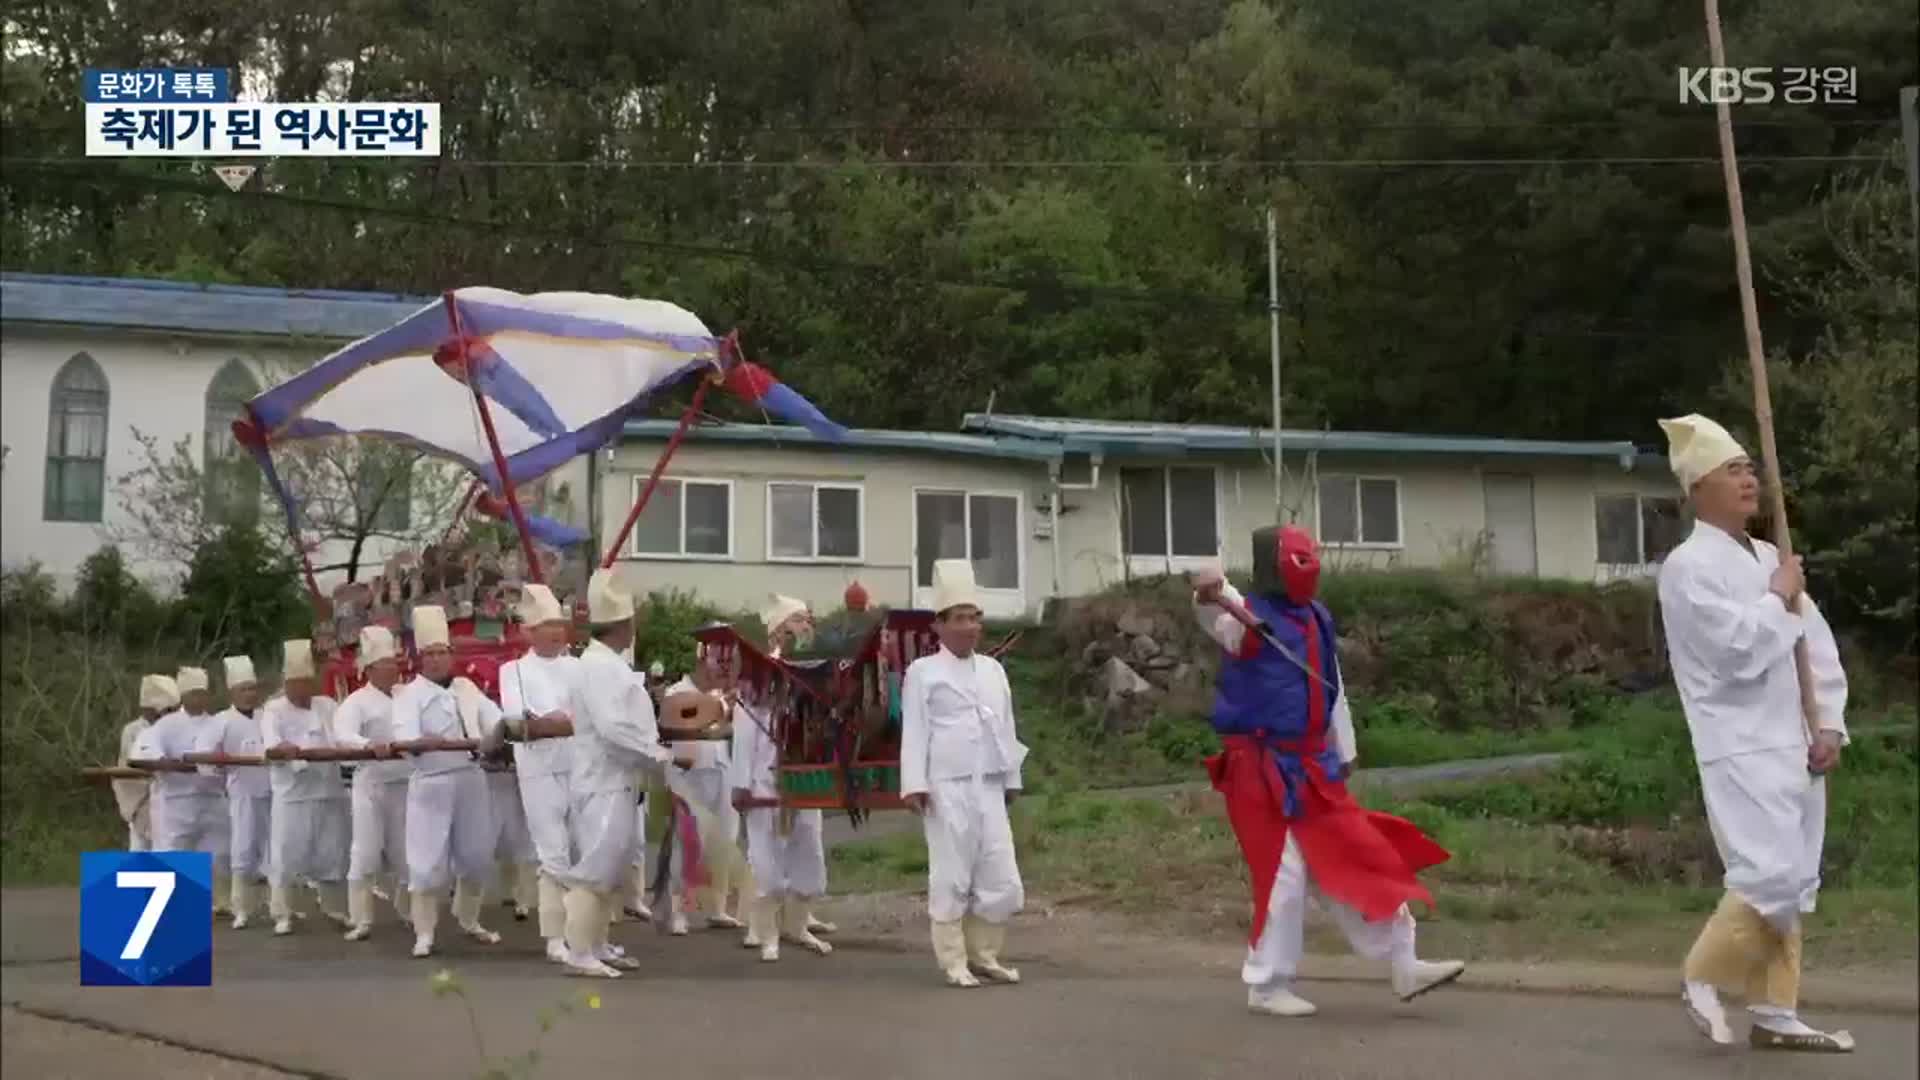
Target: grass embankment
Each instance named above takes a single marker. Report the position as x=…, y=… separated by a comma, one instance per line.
x=1608, y=858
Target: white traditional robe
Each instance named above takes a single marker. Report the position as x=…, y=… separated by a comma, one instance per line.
x=134, y=796
x=704, y=786
x=542, y=767
x=791, y=865
x=189, y=809
x=958, y=747
x=310, y=831
x=449, y=809
x=379, y=843
x=249, y=795
x=614, y=736
x=1730, y=642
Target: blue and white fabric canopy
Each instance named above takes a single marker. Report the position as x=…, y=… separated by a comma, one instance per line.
x=561, y=372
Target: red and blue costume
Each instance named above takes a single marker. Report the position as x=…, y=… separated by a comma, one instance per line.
x=1280, y=768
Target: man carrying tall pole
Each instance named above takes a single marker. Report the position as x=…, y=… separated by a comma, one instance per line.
x=1764, y=694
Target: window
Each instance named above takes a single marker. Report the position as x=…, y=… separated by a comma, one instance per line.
x=984, y=529
x=1637, y=530
x=77, y=442
x=685, y=518
x=813, y=521
x=231, y=478
x=1360, y=511
x=1169, y=512
x=383, y=489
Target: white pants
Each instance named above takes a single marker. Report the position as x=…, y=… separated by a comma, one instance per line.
x=791, y=865
x=139, y=830
x=706, y=788
x=1769, y=822
x=251, y=834
x=640, y=842
x=379, y=827
x=603, y=827
x=971, y=868
x=192, y=823
x=310, y=840
x=512, y=841
x=449, y=825
x=1275, y=958
x=546, y=801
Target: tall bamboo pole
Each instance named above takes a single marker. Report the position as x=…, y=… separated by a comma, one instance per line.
x=1757, y=358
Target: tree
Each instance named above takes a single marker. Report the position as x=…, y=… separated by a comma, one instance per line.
x=348, y=492
x=242, y=596
x=1849, y=450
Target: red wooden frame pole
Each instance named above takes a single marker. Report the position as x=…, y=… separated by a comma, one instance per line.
x=660, y=466
x=493, y=443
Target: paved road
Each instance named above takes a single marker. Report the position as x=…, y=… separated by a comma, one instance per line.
x=704, y=1008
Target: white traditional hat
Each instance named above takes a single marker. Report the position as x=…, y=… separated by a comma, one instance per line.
x=607, y=602
x=953, y=585
x=1696, y=446
x=239, y=671
x=189, y=679
x=779, y=609
x=430, y=627
x=376, y=644
x=657, y=670
x=297, y=660
x=158, y=692
x=538, y=605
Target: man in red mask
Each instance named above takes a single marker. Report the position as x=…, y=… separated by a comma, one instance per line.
x=1287, y=747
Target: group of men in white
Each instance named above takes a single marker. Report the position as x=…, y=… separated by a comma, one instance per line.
x=562, y=835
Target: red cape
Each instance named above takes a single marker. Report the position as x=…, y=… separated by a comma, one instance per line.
x=1362, y=858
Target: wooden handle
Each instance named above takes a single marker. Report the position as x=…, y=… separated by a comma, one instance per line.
x=114, y=772
x=223, y=760
x=425, y=746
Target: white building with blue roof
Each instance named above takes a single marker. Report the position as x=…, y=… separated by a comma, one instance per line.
x=1044, y=507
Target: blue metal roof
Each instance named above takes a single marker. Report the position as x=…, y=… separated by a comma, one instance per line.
x=141, y=303
x=1121, y=438
x=930, y=442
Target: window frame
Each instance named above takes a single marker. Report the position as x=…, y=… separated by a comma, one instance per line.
x=858, y=487
x=966, y=525
x=1168, y=558
x=1360, y=513
x=1640, y=500
x=218, y=453
x=632, y=551
x=53, y=511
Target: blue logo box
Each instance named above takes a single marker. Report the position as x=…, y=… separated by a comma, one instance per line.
x=146, y=918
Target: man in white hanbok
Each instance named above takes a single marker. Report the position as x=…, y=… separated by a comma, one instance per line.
x=537, y=686
x=450, y=826
x=1733, y=615
x=959, y=770
x=379, y=844
x=189, y=808
x=310, y=836
x=158, y=696
x=786, y=855
x=614, y=738
x=703, y=786
x=249, y=792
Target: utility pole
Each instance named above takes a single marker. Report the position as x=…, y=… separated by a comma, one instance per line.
x=1910, y=127
x=1273, y=314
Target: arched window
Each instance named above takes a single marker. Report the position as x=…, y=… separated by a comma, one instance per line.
x=77, y=442
x=232, y=479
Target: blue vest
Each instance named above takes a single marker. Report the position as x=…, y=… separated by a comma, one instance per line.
x=1267, y=692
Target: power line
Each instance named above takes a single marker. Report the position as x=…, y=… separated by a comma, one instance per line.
x=1193, y=164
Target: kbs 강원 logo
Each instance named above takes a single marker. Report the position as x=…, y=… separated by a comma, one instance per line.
x=146, y=918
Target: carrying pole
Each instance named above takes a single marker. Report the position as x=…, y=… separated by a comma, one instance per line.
x=1757, y=359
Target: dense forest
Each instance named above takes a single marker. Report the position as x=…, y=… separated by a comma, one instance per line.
x=1494, y=216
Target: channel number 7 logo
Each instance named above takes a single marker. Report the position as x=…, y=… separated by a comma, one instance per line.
x=146, y=918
